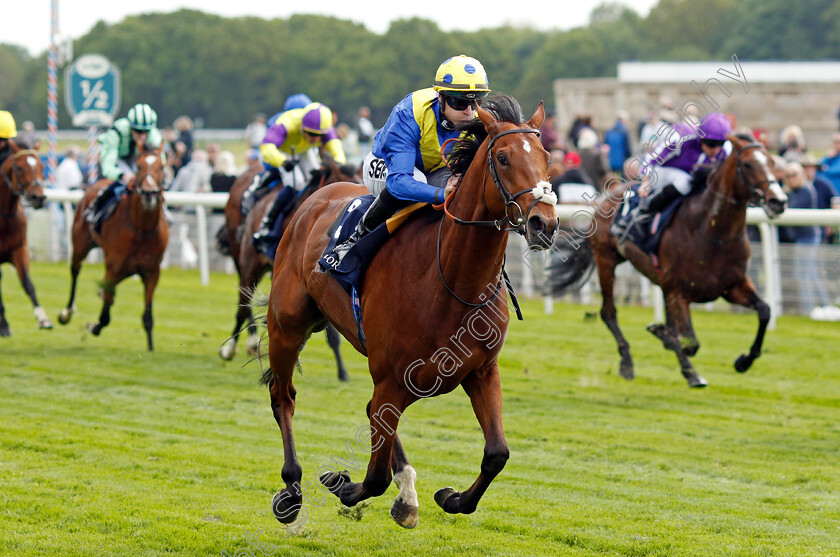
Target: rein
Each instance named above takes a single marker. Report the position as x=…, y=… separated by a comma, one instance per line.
x=510, y=200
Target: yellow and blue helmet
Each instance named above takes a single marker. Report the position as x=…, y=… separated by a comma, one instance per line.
x=462, y=77
x=8, y=129
x=317, y=119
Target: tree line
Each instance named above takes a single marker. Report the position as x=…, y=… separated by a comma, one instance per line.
x=224, y=70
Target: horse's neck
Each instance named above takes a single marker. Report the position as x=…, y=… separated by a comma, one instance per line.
x=8, y=199
x=723, y=210
x=472, y=255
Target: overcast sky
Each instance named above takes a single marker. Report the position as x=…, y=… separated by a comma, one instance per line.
x=27, y=22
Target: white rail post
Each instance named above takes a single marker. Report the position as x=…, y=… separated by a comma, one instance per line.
x=203, y=256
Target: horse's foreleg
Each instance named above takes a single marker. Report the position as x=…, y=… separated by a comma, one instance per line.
x=606, y=276
x=671, y=335
x=485, y=392
x=20, y=259
x=745, y=295
x=5, y=331
x=334, y=340
x=386, y=408
x=150, y=281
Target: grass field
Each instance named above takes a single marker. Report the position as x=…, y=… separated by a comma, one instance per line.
x=107, y=449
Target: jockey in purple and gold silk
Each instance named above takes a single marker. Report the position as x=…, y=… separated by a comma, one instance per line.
x=288, y=154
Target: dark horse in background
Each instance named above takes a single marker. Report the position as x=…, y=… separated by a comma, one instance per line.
x=22, y=177
x=252, y=265
x=133, y=239
x=433, y=307
x=703, y=254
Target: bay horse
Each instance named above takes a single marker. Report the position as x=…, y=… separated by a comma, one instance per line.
x=433, y=307
x=251, y=265
x=22, y=177
x=133, y=240
x=703, y=255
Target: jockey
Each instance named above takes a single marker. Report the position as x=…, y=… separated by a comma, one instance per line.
x=117, y=151
x=289, y=160
x=406, y=165
x=670, y=168
x=8, y=130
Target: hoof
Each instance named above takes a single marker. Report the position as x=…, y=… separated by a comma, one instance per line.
x=64, y=316
x=45, y=324
x=342, y=375
x=228, y=349
x=5, y=332
x=697, y=382
x=335, y=480
x=406, y=516
x=447, y=499
x=626, y=371
x=254, y=346
x=94, y=328
x=285, y=507
x=743, y=363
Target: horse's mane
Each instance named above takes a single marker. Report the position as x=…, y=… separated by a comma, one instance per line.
x=503, y=108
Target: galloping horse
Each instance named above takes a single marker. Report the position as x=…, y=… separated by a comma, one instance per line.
x=251, y=265
x=22, y=173
x=433, y=306
x=703, y=255
x=133, y=239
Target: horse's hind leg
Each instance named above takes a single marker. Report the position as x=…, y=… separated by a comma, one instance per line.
x=20, y=259
x=244, y=315
x=334, y=340
x=109, y=286
x=745, y=295
x=150, y=280
x=484, y=389
x=678, y=335
x=5, y=331
x=606, y=276
x=81, y=247
x=287, y=333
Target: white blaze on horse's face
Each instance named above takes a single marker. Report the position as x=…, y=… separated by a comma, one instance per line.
x=526, y=146
x=31, y=161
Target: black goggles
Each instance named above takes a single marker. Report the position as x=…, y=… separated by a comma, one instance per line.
x=462, y=104
x=139, y=130
x=713, y=142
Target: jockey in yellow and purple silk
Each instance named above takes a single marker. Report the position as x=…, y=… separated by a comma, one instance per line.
x=289, y=158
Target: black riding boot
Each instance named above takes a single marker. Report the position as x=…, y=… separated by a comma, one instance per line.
x=382, y=207
x=656, y=201
x=267, y=225
x=257, y=191
x=95, y=210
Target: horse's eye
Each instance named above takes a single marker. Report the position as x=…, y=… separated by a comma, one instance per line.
x=502, y=159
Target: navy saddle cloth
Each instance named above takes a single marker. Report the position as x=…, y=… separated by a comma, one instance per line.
x=649, y=234
x=351, y=270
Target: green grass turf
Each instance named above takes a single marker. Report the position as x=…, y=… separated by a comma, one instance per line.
x=107, y=449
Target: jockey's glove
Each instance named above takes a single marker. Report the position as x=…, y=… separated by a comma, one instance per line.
x=288, y=165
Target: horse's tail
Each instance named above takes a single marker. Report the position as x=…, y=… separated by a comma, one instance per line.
x=258, y=300
x=571, y=262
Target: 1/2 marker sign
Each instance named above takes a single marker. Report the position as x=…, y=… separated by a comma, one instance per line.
x=92, y=91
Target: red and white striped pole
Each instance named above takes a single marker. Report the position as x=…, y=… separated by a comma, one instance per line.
x=52, y=91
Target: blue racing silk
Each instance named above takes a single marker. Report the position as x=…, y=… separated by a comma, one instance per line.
x=412, y=138
x=284, y=138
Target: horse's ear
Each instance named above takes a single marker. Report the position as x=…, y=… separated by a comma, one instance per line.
x=735, y=140
x=490, y=124
x=538, y=117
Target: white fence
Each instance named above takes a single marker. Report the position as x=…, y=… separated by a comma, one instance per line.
x=203, y=228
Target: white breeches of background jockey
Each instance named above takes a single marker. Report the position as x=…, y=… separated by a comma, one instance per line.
x=664, y=175
x=299, y=176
